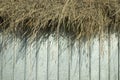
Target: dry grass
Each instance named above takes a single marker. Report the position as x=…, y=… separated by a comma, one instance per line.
x=77, y=18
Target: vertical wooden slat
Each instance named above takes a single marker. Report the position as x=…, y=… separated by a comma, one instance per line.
x=89, y=48
x=58, y=47
x=8, y=47
x=25, y=50
x=114, y=49
x=52, y=58
x=74, y=61
x=109, y=51
x=63, y=58
x=95, y=59
x=69, y=58
x=48, y=46
x=99, y=60
x=19, y=60
x=84, y=61
x=119, y=54
x=36, y=55
x=118, y=37
x=31, y=60
x=103, y=58
x=42, y=59
x=79, y=51
x=1, y=56
x=114, y=57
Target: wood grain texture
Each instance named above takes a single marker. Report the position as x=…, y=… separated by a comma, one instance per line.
x=118, y=37
x=19, y=60
x=95, y=59
x=1, y=58
x=104, y=58
x=63, y=59
x=118, y=55
x=31, y=60
x=8, y=56
x=84, y=61
x=74, y=65
x=42, y=60
x=52, y=58
x=114, y=57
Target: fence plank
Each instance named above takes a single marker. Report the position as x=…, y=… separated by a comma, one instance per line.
x=52, y=58
x=74, y=66
x=42, y=60
x=95, y=59
x=1, y=58
x=8, y=47
x=31, y=61
x=20, y=51
x=104, y=58
x=118, y=55
x=84, y=61
x=63, y=59
x=113, y=57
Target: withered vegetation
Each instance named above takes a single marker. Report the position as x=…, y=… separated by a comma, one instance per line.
x=76, y=18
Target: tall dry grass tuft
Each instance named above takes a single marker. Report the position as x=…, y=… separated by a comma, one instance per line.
x=77, y=18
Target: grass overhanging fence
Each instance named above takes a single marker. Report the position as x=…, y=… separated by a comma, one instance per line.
x=74, y=18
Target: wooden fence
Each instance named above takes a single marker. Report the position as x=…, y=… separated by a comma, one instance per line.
x=51, y=59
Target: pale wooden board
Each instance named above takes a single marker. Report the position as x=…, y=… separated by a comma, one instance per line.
x=1, y=57
x=42, y=60
x=74, y=61
x=63, y=59
x=113, y=57
x=95, y=59
x=84, y=66
x=8, y=46
x=119, y=56
x=19, y=69
x=104, y=58
x=52, y=58
x=31, y=60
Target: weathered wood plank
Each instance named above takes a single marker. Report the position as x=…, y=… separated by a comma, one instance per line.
x=31, y=60
x=63, y=59
x=95, y=59
x=52, y=58
x=42, y=60
x=19, y=69
x=8, y=47
x=80, y=53
x=104, y=58
x=1, y=58
x=113, y=57
x=118, y=55
x=84, y=61
x=74, y=61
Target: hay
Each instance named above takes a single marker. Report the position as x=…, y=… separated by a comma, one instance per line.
x=76, y=18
